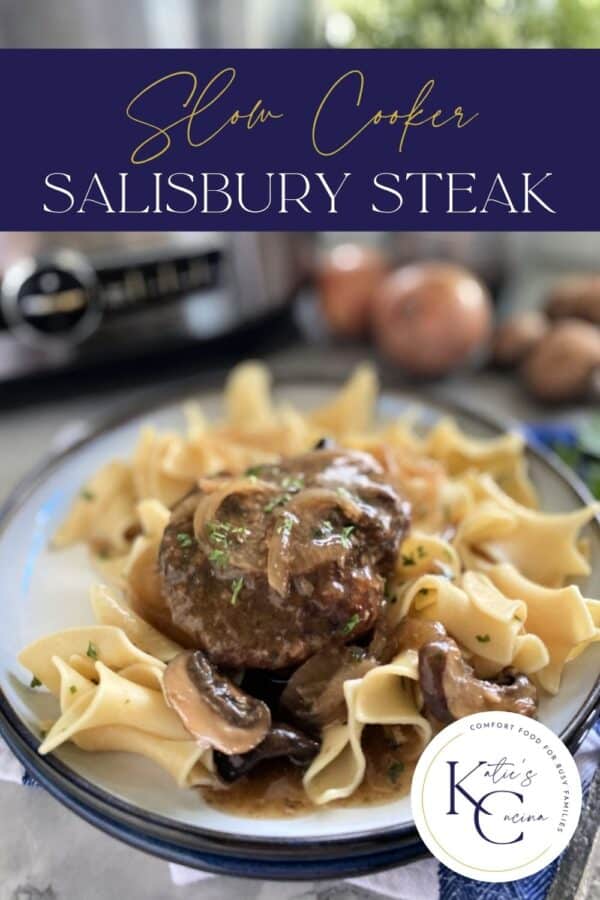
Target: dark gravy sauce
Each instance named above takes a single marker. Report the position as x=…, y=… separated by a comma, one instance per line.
x=274, y=789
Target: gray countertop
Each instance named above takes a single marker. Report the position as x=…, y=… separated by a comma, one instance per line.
x=46, y=851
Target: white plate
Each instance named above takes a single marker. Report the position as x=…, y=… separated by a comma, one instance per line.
x=44, y=591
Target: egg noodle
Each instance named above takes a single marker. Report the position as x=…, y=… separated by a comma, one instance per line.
x=480, y=559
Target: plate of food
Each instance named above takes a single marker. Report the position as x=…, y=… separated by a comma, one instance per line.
x=231, y=624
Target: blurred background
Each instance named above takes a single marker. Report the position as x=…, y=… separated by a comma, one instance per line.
x=88, y=320
x=272, y=23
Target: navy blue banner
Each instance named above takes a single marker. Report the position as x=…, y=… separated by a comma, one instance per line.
x=299, y=139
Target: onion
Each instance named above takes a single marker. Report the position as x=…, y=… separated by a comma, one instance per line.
x=278, y=553
x=347, y=280
x=318, y=498
x=209, y=503
x=241, y=546
x=305, y=510
x=431, y=317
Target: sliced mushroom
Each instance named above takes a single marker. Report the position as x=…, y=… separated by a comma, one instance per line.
x=314, y=695
x=282, y=741
x=409, y=634
x=268, y=684
x=212, y=707
x=451, y=690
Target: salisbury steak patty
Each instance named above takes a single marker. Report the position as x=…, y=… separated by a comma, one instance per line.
x=265, y=569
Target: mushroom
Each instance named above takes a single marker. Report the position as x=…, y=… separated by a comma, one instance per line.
x=565, y=364
x=575, y=296
x=516, y=337
x=212, y=707
x=410, y=634
x=314, y=695
x=281, y=741
x=451, y=690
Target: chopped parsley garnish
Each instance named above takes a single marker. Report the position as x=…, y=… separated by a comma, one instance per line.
x=324, y=530
x=253, y=471
x=35, y=682
x=91, y=651
x=219, y=533
x=345, y=536
x=279, y=500
x=448, y=555
x=351, y=624
x=73, y=689
x=218, y=557
x=407, y=560
x=86, y=494
x=290, y=486
x=421, y=551
x=184, y=540
x=286, y=524
x=395, y=771
x=483, y=638
x=235, y=590
x=293, y=484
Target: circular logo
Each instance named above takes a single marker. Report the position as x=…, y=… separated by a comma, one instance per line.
x=496, y=796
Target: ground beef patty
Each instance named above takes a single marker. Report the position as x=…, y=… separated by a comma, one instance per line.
x=265, y=569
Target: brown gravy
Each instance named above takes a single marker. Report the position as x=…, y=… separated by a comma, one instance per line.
x=274, y=789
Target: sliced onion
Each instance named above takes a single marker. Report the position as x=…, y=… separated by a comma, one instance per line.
x=278, y=555
x=306, y=510
x=209, y=503
x=322, y=497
